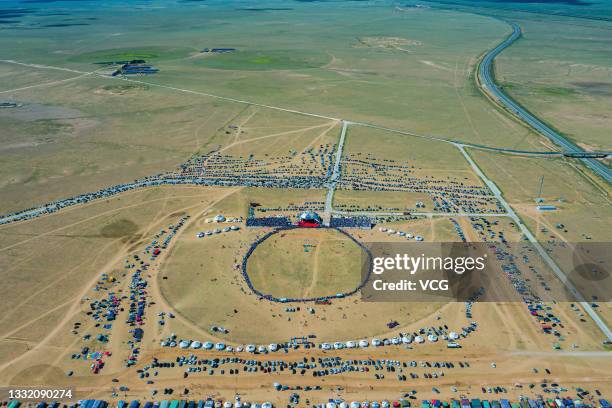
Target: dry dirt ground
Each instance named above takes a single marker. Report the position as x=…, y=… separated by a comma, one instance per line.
x=60, y=258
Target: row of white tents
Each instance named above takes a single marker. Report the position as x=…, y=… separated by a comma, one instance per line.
x=407, y=235
x=273, y=347
x=203, y=234
x=357, y=404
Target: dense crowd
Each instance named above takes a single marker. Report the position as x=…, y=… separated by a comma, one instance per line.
x=351, y=222
x=310, y=169
x=449, y=194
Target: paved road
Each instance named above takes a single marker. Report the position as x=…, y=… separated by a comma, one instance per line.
x=288, y=110
x=541, y=251
x=335, y=176
x=485, y=71
x=423, y=214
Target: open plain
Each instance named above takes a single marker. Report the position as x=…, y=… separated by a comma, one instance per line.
x=198, y=230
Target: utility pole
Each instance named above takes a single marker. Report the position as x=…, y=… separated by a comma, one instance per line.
x=540, y=188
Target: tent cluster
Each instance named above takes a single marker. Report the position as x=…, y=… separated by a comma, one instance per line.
x=423, y=335
x=403, y=234
x=217, y=231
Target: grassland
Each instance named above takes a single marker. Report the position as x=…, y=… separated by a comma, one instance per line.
x=560, y=70
x=199, y=279
x=138, y=129
x=582, y=217
x=427, y=158
x=314, y=65
x=150, y=54
x=81, y=136
x=348, y=200
x=88, y=132
x=584, y=208
x=265, y=60
x=52, y=262
x=264, y=134
x=306, y=264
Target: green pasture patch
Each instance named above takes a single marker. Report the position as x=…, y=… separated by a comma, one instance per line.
x=265, y=60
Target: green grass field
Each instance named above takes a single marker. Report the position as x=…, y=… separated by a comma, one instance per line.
x=253, y=60
x=307, y=263
x=306, y=57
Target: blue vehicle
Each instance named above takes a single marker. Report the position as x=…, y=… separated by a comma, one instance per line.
x=134, y=404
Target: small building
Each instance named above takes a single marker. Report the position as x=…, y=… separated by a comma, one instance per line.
x=546, y=207
x=219, y=50
x=135, y=69
x=309, y=219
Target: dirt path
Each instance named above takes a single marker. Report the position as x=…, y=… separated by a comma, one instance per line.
x=285, y=133
x=238, y=130
x=77, y=300
x=315, y=271
x=93, y=217
x=154, y=287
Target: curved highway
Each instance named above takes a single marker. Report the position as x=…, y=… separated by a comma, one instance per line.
x=485, y=72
